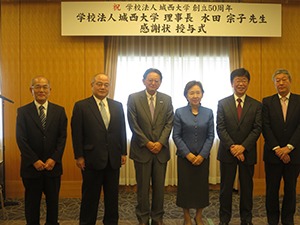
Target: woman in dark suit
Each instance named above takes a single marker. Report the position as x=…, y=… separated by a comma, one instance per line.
x=193, y=135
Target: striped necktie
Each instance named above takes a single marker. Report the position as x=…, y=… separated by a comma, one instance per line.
x=42, y=116
x=104, y=114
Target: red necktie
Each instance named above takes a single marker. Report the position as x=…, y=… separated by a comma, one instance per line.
x=239, y=108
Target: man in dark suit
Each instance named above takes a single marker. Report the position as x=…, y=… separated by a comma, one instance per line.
x=41, y=133
x=239, y=127
x=281, y=130
x=99, y=143
x=150, y=116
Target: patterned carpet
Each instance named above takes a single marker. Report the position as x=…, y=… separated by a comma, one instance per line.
x=69, y=210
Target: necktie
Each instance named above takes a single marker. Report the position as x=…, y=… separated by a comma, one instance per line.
x=152, y=107
x=239, y=108
x=284, y=107
x=42, y=116
x=104, y=114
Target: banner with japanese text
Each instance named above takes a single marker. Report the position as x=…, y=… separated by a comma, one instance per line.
x=170, y=19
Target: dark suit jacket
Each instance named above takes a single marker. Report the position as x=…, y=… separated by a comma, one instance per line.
x=36, y=144
x=92, y=140
x=279, y=133
x=244, y=132
x=144, y=130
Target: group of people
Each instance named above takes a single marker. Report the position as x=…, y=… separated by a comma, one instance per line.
x=100, y=148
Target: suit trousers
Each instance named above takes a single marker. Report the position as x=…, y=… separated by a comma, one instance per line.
x=155, y=171
x=228, y=174
x=93, y=180
x=34, y=187
x=274, y=173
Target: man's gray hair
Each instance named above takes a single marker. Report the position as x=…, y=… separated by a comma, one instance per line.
x=93, y=78
x=32, y=80
x=284, y=71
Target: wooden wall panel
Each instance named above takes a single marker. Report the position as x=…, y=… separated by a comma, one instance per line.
x=32, y=45
x=93, y=52
x=283, y=52
x=11, y=83
x=262, y=56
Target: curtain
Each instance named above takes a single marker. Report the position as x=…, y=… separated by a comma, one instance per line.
x=235, y=54
x=111, y=60
x=180, y=59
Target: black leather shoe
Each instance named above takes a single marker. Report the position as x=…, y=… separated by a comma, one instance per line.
x=221, y=223
x=157, y=223
x=144, y=223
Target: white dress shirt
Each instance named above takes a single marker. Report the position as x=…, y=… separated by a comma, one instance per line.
x=105, y=106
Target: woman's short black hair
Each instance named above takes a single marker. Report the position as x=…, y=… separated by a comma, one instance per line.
x=191, y=84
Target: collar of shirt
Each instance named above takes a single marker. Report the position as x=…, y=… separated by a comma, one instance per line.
x=149, y=96
x=243, y=100
x=103, y=100
x=105, y=105
x=287, y=98
x=37, y=105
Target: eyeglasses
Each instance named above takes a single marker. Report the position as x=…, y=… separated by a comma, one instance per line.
x=99, y=84
x=39, y=87
x=150, y=81
x=241, y=81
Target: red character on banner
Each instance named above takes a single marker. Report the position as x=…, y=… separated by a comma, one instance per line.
x=117, y=7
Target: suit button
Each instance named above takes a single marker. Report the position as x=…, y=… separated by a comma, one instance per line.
x=195, y=140
x=196, y=127
x=44, y=137
x=195, y=121
x=196, y=134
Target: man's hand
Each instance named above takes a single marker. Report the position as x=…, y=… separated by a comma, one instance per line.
x=286, y=159
x=150, y=145
x=241, y=157
x=39, y=165
x=237, y=150
x=123, y=159
x=50, y=163
x=282, y=152
x=154, y=147
x=80, y=163
x=157, y=147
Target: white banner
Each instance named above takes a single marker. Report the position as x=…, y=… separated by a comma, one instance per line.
x=170, y=19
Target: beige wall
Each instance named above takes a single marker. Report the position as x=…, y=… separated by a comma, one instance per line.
x=31, y=45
